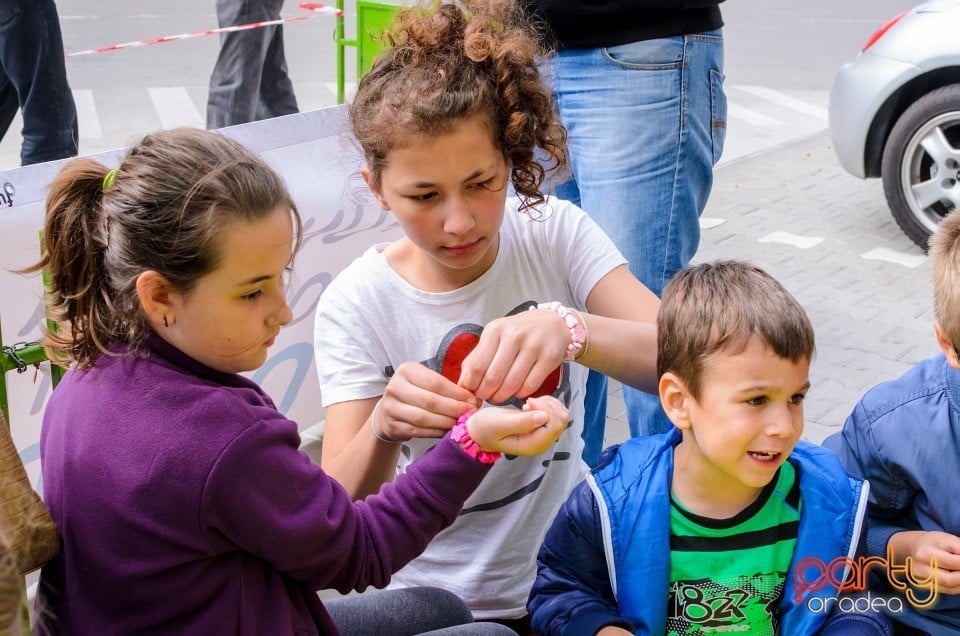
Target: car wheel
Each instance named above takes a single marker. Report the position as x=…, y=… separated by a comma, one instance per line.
x=921, y=163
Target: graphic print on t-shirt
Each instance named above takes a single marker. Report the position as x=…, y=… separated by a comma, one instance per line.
x=727, y=575
x=454, y=347
x=745, y=604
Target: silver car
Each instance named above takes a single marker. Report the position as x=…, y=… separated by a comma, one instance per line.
x=895, y=114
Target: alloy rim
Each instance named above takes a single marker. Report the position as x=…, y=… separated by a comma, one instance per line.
x=930, y=170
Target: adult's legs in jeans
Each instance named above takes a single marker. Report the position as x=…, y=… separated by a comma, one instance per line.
x=247, y=61
x=408, y=612
x=34, y=70
x=646, y=123
x=595, y=399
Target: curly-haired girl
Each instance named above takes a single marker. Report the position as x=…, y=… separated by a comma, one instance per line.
x=415, y=334
x=182, y=500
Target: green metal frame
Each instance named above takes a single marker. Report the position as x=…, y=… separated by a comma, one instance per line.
x=373, y=18
x=22, y=356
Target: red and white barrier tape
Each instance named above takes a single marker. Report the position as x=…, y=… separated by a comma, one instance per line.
x=318, y=9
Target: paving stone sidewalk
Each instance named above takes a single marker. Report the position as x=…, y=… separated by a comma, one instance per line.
x=830, y=239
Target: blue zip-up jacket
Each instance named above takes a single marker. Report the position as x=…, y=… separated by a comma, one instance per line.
x=904, y=436
x=606, y=558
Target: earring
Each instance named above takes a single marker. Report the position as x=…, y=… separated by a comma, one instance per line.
x=165, y=323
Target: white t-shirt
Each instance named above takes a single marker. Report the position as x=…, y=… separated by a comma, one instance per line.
x=370, y=320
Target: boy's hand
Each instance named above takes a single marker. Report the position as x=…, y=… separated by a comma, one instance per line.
x=613, y=630
x=418, y=402
x=528, y=432
x=926, y=545
x=515, y=355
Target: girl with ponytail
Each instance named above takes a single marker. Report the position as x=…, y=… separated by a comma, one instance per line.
x=183, y=502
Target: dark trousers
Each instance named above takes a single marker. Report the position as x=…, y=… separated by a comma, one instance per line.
x=33, y=78
x=249, y=81
x=421, y=611
x=520, y=626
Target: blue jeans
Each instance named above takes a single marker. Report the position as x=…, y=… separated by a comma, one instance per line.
x=646, y=124
x=33, y=79
x=249, y=81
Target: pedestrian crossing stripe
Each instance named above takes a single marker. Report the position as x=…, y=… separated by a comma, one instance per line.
x=175, y=108
x=750, y=116
x=786, y=101
x=759, y=118
x=87, y=120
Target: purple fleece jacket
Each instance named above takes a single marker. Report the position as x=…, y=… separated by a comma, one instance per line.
x=186, y=508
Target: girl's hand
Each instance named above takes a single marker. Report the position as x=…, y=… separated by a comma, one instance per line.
x=515, y=355
x=528, y=432
x=418, y=402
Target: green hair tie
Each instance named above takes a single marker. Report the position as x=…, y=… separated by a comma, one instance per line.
x=108, y=180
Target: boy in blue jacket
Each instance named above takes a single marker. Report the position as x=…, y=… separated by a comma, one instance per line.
x=700, y=530
x=904, y=437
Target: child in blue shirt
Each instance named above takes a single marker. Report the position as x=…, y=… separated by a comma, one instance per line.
x=707, y=528
x=903, y=436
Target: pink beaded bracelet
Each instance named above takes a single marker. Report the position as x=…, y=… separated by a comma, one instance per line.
x=573, y=319
x=461, y=436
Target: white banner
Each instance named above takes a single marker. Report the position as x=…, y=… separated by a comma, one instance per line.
x=317, y=157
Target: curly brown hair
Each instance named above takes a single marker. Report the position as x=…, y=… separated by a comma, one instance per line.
x=452, y=61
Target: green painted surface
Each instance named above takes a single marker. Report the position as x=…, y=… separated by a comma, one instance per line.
x=373, y=18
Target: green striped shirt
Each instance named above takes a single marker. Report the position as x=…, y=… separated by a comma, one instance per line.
x=727, y=575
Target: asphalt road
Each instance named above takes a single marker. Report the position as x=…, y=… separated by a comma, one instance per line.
x=781, y=57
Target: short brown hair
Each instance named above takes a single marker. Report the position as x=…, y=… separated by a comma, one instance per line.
x=945, y=275
x=721, y=306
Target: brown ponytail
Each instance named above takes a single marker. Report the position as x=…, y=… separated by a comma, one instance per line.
x=74, y=240
x=170, y=198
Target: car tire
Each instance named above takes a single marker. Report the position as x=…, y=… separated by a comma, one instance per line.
x=921, y=163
